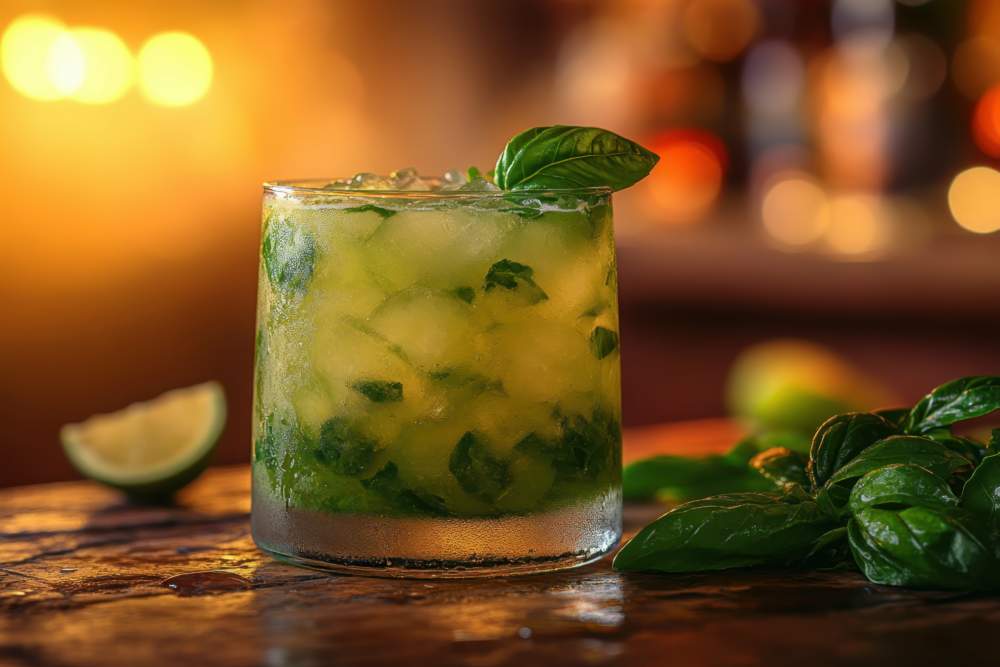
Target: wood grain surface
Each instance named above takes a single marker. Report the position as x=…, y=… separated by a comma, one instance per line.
x=86, y=579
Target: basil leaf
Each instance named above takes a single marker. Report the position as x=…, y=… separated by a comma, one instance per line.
x=568, y=157
x=477, y=470
x=895, y=416
x=603, y=342
x=831, y=551
x=781, y=466
x=379, y=391
x=382, y=212
x=981, y=494
x=721, y=532
x=994, y=446
x=466, y=294
x=289, y=254
x=922, y=547
x=841, y=438
x=387, y=484
x=917, y=450
x=682, y=478
x=967, y=447
x=344, y=449
x=955, y=401
x=511, y=275
x=901, y=484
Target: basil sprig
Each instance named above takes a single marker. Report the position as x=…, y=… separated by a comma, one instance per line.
x=569, y=157
x=896, y=495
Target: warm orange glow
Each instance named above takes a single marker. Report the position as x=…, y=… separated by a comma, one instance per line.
x=859, y=225
x=795, y=210
x=986, y=122
x=720, y=29
x=106, y=66
x=972, y=199
x=976, y=65
x=39, y=60
x=686, y=181
x=175, y=69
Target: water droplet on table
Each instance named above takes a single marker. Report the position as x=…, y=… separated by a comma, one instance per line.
x=206, y=582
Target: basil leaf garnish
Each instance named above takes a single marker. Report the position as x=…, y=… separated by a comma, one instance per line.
x=732, y=530
x=569, y=157
x=955, y=401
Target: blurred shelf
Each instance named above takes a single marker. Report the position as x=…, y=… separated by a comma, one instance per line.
x=732, y=266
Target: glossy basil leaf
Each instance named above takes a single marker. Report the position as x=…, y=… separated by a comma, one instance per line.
x=895, y=416
x=922, y=547
x=955, y=401
x=901, y=484
x=782, y=466
x=831, y=551
x=748, y=447
x=839, y=439
x=967, y=447
x=727, y=531
x=981, y=494
x=916, y=450
x=568, y=157
x=681, y=478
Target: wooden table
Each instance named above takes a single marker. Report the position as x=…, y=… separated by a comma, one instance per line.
x=82, y=583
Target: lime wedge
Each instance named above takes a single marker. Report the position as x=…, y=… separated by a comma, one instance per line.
x=150, y=450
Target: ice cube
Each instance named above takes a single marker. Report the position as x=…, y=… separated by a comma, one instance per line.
x=368, y=181
x=453, y=179
x=408, y=179
x=479, y=185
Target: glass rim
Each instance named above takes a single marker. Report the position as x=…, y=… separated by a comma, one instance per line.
x=318, y=187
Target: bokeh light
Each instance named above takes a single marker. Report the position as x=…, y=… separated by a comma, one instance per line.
x=687, y=180
x=30, y=56
x=986, y=122
x=860, y=225
x=175, y=69
x=976, y=65
x=66, y=67
x=795, y=210
x=720, y=29
x=972, y=198
x=107, y=68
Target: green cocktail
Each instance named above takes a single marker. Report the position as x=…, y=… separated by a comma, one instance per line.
x=437, y=377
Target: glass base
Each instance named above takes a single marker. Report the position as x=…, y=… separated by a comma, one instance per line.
x=434, y=548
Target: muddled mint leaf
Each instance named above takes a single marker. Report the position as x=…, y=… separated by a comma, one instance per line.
x=511, y=275
x=459, y=378
x=382, y=212
x=466, y=294
x=569, y=157
x=379, y=391
x=387, y=483
x=289, y=253
x=344, y=449
x=473, y=174
x=590, y=446
x=603, y=342
x=477, y=470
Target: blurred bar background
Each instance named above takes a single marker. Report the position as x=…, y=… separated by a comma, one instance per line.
x=829, y=172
